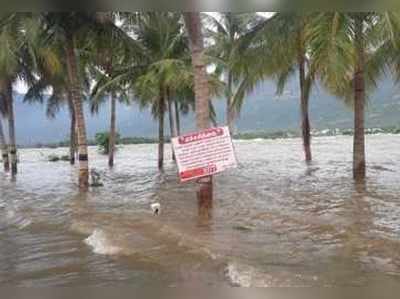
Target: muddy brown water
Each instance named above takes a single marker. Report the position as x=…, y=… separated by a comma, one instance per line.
x=276, y=221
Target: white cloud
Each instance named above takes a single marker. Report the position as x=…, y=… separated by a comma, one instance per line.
x=20, y=87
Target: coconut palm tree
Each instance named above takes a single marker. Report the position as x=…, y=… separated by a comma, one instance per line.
x=285, y=39
x=66, y=28
x=163, y=74
x=168, y=68
x=229, y=32
x=114, y=93
x=9, y=68
x=48, y=82
x=202, y=94
x=113, y=69
x=346, y=49
x=15, y=52
x=7, y=94
x=161, y=83
x=108, y=67
x=76, y=31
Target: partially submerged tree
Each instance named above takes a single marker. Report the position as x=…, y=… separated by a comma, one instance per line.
x=347, y=50
x=167, y=70
x=202, y=95
x=76, y=31
x=106, y=89
x=112, y=56
x=3, y=141
x=285, y=39
x=3, y=146
x=14, y=54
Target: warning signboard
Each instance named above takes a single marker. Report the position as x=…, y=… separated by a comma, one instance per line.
x=204, y=153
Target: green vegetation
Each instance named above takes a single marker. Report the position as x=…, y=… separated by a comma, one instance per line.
x=103, y=141
x=53, y=158
x=56, y=158
x=240, y=136
x=139, y=140
x=266, y=135
x=314, y=133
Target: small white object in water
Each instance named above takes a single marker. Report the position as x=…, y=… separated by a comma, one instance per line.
x=156, y=208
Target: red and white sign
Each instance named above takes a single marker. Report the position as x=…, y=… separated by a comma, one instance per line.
x=204, y=153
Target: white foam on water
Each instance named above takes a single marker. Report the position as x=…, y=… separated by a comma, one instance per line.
x=15, y=219
x=101, y=244
x=238, y=278
x=242, y=275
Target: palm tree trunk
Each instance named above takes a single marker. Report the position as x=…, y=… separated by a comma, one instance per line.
x=161, y=109
x=230, y=110
x=201, y=89
x=304, y=99
x=4, y=150
x=171, y=122
x=111, y=145
x=177, y=118
x=72, y=133
x=231, y=119
x=79, y=115
x=76, y=139
x=359, y=165
x=11, y=128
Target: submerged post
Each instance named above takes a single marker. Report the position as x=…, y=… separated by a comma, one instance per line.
x=205, y=199
x=193, y=27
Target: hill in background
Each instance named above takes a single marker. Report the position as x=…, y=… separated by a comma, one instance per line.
x=262, y=111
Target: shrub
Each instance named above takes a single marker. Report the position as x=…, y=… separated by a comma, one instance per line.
x=103, y=140
x=54, y=158
x=65, y=158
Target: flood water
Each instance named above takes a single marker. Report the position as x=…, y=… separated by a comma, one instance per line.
x=276, y=221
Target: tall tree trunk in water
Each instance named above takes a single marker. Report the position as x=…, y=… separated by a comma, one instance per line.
x=11, y=128
x=304, y=98
x=230, y=110
x=161, y=110
x=177, y=118
x=171, y=122
x=112, y=138
x=4, y=150
x=72, y=133
x=79, y=115
x=193, y=26
x=359, y=167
